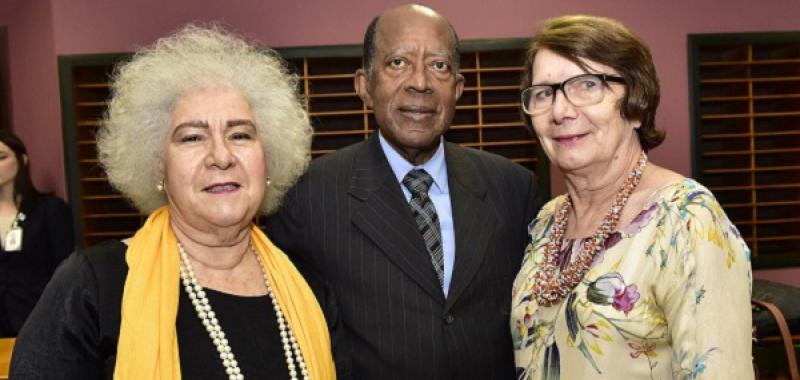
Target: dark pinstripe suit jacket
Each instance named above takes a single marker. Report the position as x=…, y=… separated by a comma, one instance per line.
x=348, y=218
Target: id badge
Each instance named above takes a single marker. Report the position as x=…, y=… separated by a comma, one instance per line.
x=13, y=241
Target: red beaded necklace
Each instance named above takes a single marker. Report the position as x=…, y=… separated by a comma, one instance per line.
x=551, y=285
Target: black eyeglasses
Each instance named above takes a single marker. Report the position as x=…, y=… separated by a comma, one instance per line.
x=580, y=90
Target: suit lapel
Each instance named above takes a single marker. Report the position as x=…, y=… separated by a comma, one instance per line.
x=383, y=215
x=473, y=219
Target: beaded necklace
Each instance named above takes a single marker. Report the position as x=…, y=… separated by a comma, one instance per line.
x=197, y=295
x=551, y=285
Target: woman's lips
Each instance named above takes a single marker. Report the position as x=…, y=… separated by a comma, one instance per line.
x=569, y=139
x=222, y=188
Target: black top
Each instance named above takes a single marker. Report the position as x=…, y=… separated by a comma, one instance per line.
x=73, y=332
x=47, y=239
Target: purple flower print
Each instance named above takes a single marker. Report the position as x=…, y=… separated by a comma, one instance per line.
x=642, y=219
x=610, y=289
x=626, y=298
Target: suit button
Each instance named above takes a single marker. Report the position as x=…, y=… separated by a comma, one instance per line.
x=449, y=319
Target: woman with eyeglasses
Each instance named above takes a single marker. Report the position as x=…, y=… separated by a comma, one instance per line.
x=636, y=272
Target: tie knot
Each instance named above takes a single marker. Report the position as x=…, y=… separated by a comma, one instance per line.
x=418, y=181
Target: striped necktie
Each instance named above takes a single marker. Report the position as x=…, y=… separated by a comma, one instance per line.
x=418, y=181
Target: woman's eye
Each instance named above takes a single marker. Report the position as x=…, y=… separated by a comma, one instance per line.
x=544, y=93
x=191, y=138
x=587, y=84
x=241, y=136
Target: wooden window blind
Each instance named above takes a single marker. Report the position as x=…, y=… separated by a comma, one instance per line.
x=487, y=117
x=746, y=135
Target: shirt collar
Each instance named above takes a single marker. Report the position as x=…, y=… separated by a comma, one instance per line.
x=435, y=166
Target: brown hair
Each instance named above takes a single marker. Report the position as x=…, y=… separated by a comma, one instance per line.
x=23, y=185
x=579, y=38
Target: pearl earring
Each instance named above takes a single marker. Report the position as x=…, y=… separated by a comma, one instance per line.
x=160, y=186
x=269, y=181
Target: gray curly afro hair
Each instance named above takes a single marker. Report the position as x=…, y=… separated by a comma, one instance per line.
x=144, y=90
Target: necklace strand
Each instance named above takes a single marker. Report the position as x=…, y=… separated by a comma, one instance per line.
x=550, y=284
x=291, y=349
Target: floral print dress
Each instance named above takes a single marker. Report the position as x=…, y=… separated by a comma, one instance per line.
x=667, y=298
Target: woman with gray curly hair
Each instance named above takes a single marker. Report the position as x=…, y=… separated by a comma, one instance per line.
x=203, y=132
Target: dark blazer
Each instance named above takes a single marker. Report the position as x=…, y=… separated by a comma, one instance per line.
x=349, y=218
x=47, y=239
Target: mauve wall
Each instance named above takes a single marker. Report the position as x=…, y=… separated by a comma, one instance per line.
x=40, y=30
x=33, y=72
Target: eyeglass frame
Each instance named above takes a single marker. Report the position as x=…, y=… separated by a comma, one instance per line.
x=605, y=78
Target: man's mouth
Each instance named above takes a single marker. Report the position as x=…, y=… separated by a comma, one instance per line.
x=417, y=112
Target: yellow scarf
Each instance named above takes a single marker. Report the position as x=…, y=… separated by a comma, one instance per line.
x=148, y=342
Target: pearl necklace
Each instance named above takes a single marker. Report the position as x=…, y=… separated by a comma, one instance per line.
x=551, y=285
x=291, y=349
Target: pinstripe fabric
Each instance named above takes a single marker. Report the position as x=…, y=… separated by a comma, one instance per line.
x=348, y=218
x=418, y=181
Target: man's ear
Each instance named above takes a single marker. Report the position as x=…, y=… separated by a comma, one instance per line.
x=459, y=85
x=361, y=85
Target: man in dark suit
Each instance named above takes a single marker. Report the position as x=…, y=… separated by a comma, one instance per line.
x=423, y=277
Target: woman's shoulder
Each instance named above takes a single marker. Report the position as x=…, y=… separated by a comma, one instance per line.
x=686, y=193
x=109, y=253
x=549, y=208
x=545, y=215
x=100, y=260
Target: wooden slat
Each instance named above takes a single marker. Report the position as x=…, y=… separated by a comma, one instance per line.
x=89, y=123
x=339, y=113
x=758, y=169
x=492, y=88
x=755, y=187
x=749, y=115
x=757, y=151
x=779, y=238
x=747, y=97
x=499, y=143
x=332, y=95
x=110, y=234
x=94, y=179
x=487, y=106
x=104, y=197
x=510, y=69
x=760, y=204
x=349, y=132
x=749, y=62
x=749, y=80
x=111, y=215
x=91, y=104
x=327, y=77
x=757, y=134
x=93, y=85
x=488, y=126
x=767, y=221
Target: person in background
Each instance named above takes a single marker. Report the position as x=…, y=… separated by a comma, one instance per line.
x=204, y=131
x=636, y=272
x=419, y=238
x=35, y=236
